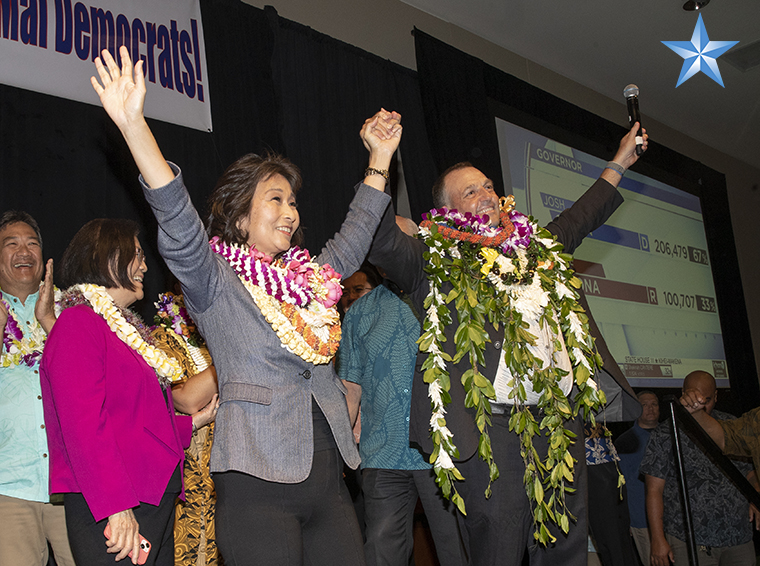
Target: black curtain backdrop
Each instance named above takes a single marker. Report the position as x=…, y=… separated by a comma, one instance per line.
x=459, y=124
x=327, y=89
x=274, y=86
x=461, y=96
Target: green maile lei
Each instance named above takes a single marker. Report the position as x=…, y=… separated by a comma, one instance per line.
x=503, y=282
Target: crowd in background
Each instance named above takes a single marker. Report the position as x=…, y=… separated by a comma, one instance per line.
x=219, y=434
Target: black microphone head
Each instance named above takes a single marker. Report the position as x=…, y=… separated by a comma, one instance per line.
x=631, y=91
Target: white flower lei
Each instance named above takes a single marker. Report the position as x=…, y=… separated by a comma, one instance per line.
x=101, y=302
x=297, y=297
x=322, y=322
x=526, y=278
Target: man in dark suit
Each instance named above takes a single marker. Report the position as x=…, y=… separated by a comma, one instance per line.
x=499, y=529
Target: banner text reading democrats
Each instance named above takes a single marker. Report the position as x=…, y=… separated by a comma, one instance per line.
x=170, y=53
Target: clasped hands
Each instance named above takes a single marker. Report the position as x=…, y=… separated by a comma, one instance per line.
x=381, y=134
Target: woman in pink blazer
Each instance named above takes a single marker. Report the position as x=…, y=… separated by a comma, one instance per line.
x=116, y=446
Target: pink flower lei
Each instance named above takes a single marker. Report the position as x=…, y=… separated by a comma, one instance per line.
x=292, y=278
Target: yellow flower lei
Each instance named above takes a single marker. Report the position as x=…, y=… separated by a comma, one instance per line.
x=102, y=303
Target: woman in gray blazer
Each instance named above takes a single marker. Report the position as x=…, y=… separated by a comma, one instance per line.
x=271, y=328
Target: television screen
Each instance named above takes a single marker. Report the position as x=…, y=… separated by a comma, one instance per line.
x=646, y=272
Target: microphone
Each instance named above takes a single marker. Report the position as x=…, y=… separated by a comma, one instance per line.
x=631, y=94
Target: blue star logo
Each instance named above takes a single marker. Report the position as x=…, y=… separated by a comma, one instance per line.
x=700, y=54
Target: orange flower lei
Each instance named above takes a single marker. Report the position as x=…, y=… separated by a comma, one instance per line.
x=327, y=348
x=315, y=341
x=296, y=296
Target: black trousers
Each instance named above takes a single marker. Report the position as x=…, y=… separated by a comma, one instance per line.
x=276, y=524
x=608, y=517
x=390, y=497
x=499, y=530
x=88, y=544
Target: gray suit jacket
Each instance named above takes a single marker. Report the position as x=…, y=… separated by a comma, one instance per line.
x=264, y=425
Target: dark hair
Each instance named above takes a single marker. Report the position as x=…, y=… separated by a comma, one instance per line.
x=231, y=200
x=373, y=275
x=13, y=216
x=100, y=253
x=439, y=188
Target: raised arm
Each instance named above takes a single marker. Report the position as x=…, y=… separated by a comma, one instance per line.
x=122, y=93
x=348, y=248
x=400, y=256
x=182, y=239
x=625, y=156
x=381, y=135
x=598, y=203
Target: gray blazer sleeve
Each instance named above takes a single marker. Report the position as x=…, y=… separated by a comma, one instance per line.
x=183, y=243
x=346, y=250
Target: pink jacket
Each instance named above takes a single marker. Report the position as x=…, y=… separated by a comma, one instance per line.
x=111, y=435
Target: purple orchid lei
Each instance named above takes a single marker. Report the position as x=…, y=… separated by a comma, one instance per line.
x=172, y=314
x=480, y=225
x=13, y=340
x=525, y=228
x=292, y=278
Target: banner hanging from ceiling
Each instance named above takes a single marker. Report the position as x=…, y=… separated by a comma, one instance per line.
x=49, y=46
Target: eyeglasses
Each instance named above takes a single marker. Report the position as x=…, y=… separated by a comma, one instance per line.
x=140, y=255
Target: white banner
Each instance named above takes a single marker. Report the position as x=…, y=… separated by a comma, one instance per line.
x=49, y=46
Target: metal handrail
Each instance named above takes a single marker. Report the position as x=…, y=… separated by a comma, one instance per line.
x=680, y=416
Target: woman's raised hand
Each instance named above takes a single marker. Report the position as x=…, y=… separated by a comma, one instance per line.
x=123, y=90
x=122, y=93
x=381, y=135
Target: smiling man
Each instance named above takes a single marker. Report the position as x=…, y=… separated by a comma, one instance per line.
x=499, y=529
x=26, y=316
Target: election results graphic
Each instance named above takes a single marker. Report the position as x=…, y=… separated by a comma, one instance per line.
x=646, y=272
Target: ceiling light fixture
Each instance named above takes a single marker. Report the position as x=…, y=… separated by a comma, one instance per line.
x=695, y=5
